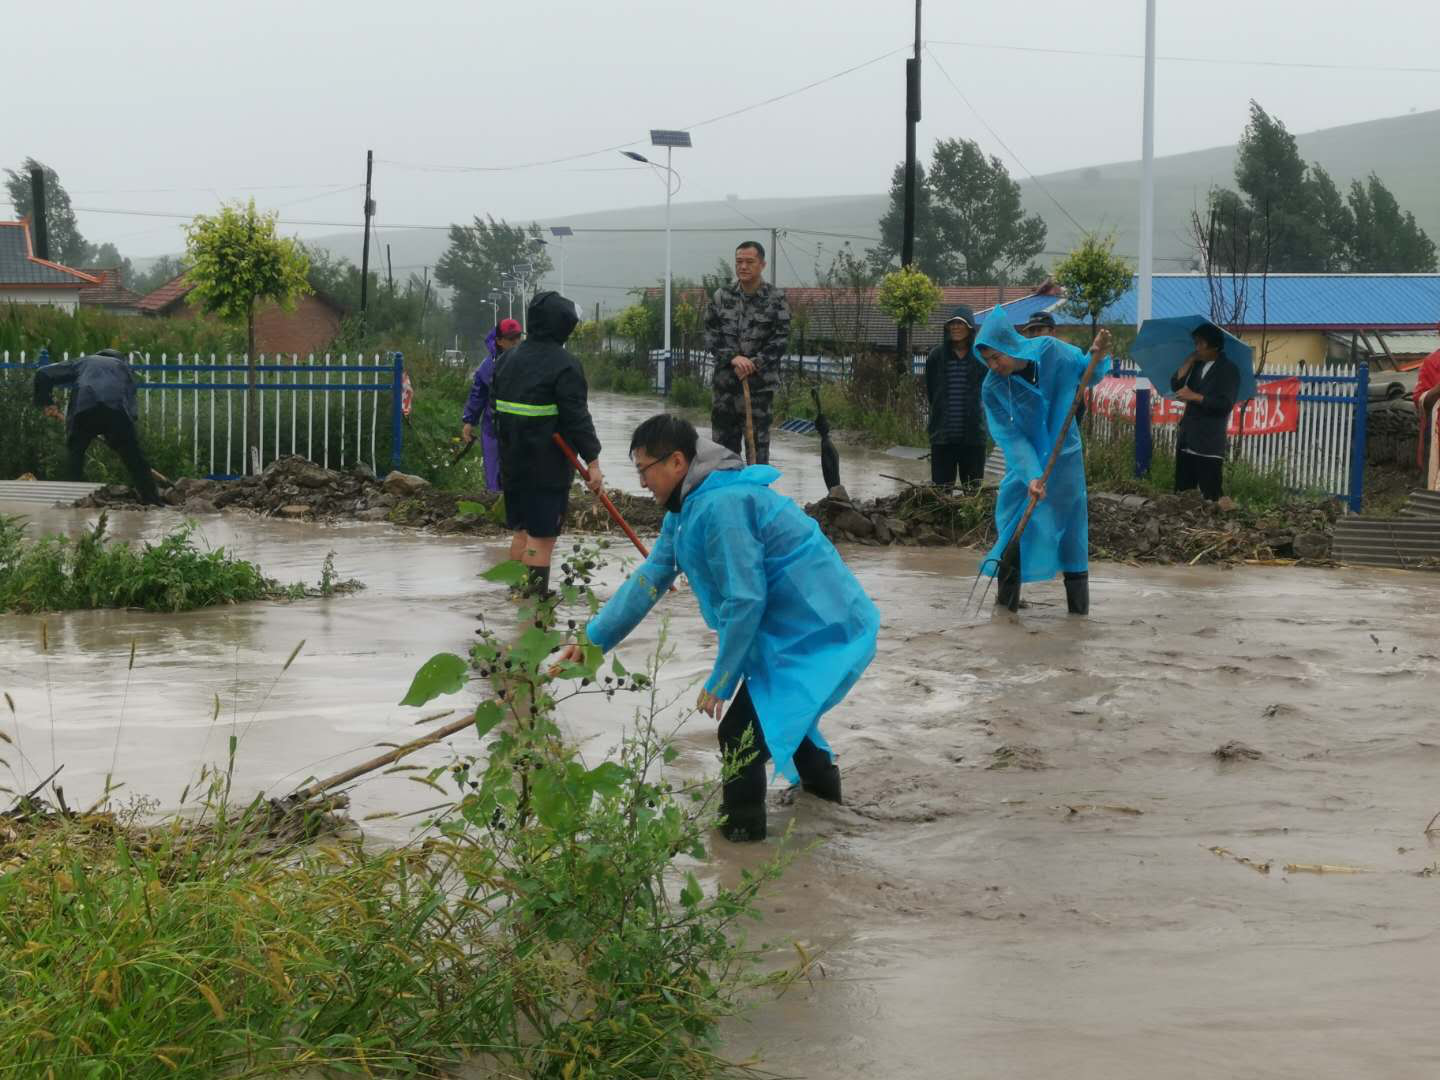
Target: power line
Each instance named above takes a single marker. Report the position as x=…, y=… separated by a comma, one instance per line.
x=996, y=135
x=1208, y=60
x=637, y=142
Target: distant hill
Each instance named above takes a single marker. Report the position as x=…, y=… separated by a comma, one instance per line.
x=599, y=266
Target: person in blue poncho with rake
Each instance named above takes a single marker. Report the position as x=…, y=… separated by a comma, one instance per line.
x=1029, y=397
x=795, y=629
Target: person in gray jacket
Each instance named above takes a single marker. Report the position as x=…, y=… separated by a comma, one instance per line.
x=1207, y=382
x=102, y=403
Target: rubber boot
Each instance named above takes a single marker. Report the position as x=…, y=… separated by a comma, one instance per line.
x=743, y=824
x=537, y=586
x=1077, y=593
x=1007, y=580
x=819, y=775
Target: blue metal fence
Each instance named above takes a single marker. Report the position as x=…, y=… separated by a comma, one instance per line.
x=201, y=397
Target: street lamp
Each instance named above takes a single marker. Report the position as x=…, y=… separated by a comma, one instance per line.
x=521, y=272
x=669, y=140
x=508, y=284
x=493, y=299
x=561, y=232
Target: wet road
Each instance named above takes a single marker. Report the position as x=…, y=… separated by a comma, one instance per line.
x=970, y=923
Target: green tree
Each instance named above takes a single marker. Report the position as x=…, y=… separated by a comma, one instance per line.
x=67, y=245
x=1386, y=239
x=236, y=262
x=1093, y=278
x=635, y=324
x=478, y=257
x=971, y=226
x=908, y=296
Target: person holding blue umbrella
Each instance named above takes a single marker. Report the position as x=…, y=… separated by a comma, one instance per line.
x=1208, y=382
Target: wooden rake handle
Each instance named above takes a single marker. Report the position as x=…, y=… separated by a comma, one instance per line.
x=749, y=424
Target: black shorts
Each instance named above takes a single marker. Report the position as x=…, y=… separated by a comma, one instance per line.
x=541, y=514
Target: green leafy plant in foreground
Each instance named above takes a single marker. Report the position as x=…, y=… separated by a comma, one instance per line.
x=546, y=922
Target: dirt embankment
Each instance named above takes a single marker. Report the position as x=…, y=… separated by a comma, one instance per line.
x=298, y=489
x=1166, y=529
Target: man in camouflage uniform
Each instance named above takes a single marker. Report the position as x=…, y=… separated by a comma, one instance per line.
x=746, y=329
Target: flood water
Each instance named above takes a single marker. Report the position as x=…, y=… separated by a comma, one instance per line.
x=1021, y=883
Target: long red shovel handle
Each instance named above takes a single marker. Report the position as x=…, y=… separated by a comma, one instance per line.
x=604, y=499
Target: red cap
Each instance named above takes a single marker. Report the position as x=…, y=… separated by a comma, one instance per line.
x=509, y=328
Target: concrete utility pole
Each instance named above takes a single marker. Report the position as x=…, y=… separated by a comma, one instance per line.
x=365, y=248
x=907, y=239
x=1147, y=241
x=774, y=253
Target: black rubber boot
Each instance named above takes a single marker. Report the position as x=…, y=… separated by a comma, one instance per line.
x=819, y=775
x=1007, y=580
x=1077, y=593
x=743, y=824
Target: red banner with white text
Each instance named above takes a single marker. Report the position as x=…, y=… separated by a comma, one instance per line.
x=1275, y=409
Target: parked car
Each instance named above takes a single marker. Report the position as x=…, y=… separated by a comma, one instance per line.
x=453, y=358
x=1388, y=385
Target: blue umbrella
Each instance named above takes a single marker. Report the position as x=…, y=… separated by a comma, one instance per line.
x=1163, y=344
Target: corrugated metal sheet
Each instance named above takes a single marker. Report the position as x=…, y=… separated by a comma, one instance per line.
x=1299, y=301
x=46, y=492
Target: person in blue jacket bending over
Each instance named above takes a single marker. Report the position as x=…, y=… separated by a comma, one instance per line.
x=795, y=628
x=1027, y=396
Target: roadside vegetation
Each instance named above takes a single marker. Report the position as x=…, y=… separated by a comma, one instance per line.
x=89, y=571
x=545, y=920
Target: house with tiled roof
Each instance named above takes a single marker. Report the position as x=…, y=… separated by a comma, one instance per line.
x=25, y=278
x=310, y=328
x=110, y=294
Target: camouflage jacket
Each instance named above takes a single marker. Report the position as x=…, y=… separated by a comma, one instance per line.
x=756, y=326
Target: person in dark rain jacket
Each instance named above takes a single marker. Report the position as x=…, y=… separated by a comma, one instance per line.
x=1208, y=383
x=539, y=389
x=957, y=422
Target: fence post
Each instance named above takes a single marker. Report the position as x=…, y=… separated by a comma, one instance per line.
x=1357, y=437
x=44, y=356
x=1144, y=443
x=397, y=415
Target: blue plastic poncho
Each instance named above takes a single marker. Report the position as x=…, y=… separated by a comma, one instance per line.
x=1025, y=420
x=791, y=618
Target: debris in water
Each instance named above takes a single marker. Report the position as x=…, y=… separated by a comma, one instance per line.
x=1080, y=808
x=1234, y=750
x=1226, y=853
x=1324, y=868
x=1017, y=757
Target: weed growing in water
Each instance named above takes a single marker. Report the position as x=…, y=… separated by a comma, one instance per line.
x=60, y=573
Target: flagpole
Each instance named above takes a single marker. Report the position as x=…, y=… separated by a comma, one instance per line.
x=1147, y=241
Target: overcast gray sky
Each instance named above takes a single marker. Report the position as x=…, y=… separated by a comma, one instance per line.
x=169, y=106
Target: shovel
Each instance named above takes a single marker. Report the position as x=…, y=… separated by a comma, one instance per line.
x=749, y=424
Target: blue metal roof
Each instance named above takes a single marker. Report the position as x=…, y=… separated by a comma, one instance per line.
x=1308, y=301
x=1021, y=310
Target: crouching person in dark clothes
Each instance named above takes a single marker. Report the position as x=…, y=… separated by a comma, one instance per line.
x=102, y=403
x=1208, y=383
x=794, y=626
x=539, y=389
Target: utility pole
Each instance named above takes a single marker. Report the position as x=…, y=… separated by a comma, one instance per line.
x=389, y=272
x=39, y=232
x=774, y=253
x=907, y=240
x=365, y=249
x=1147, y=240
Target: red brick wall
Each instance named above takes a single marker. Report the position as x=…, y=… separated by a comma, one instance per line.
x=309, y=328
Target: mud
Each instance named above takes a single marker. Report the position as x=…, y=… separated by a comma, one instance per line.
x=1025, y=880
x=1167, y=529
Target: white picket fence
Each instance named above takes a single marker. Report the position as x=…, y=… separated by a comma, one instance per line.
x=1326, y=451
x=204, y=397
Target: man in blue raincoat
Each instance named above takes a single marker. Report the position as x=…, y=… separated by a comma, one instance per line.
x=795, y=628
x=1027, y=397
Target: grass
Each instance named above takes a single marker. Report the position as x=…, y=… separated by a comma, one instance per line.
x=540, y=923
x=60, y=573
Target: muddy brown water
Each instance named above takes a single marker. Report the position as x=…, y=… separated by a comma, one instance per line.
x=967, y=921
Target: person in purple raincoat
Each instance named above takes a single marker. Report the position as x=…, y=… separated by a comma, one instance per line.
x=480, y=408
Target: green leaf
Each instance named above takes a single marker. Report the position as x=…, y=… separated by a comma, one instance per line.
x=511, y=572
x=487, y=715
x=471, y=509
x=534, y=646
x=692, y=894
x=608, y=779
x=443, y=673
x=617, y=668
